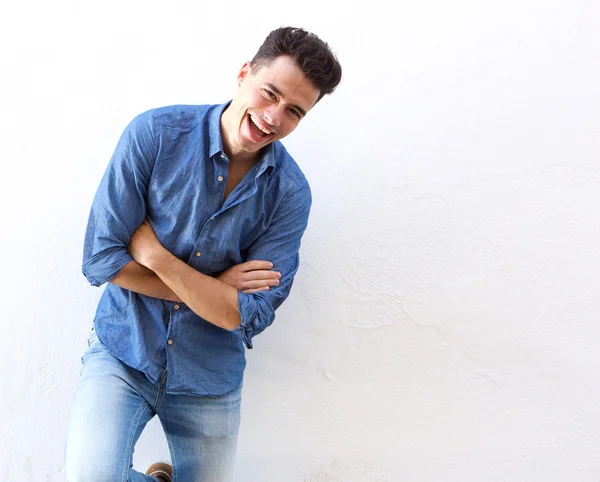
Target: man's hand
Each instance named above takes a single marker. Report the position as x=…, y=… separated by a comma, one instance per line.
x=145, y=246
x=251, y=276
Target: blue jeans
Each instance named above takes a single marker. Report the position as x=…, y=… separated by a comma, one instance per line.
x=112, y=405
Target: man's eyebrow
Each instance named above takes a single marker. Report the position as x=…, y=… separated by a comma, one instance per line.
x=278, y=92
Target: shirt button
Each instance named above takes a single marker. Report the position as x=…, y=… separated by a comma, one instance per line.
x=220, y=178
x=212, y=219
x=223, y=156
x=176, y=307
x=198, y=253
x=170, y=342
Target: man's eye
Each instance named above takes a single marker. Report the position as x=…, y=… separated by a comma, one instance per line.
x=270, y=94
x=295, y=112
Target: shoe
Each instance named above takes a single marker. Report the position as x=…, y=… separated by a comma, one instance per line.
x=162, y=471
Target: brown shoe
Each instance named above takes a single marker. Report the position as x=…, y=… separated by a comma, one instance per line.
x=162, y=471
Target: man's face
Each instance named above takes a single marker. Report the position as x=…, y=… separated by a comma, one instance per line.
x=269, y=104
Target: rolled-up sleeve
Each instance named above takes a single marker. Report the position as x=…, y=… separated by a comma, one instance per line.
x=119, y=205
x=280, y=245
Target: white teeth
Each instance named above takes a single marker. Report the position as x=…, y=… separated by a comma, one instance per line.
x=259, y=126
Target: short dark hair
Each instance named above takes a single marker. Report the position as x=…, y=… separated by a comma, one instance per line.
x=310, y=53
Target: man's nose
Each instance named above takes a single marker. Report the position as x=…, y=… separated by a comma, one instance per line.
x=273, y=115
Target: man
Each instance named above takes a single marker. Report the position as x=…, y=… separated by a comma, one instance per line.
x=196, y=226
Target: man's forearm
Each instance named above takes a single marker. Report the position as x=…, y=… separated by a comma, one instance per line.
x=209, y=298
x=135, y=277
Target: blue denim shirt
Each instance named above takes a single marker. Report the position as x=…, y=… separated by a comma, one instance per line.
x=169, y=167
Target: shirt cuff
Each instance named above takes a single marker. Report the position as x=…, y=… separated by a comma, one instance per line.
x=104, y=267
x=247, y=309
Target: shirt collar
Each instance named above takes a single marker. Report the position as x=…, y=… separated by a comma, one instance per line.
x=214, y=129
x=267, y=159
x=267, y=156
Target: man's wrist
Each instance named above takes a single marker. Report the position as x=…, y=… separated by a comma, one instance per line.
x=159, y=259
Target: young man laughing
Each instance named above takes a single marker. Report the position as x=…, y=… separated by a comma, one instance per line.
x=196, y=227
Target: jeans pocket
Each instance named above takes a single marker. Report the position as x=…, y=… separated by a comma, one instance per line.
x=94, y=345
x=92, y=337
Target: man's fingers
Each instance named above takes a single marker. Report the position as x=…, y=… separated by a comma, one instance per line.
x=255, y=265
x=261, y=275
x=260, y=283
x=249, y=292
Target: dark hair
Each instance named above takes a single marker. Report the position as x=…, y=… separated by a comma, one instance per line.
x=310, y=53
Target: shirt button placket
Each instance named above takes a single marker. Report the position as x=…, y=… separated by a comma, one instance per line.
x=176, y=308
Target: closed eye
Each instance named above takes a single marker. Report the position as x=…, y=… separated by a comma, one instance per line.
x=270, y=94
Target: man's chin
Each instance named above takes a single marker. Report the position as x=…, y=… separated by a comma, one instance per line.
x=250, y=146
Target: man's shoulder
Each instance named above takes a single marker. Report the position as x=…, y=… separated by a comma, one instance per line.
x=288, y=169
x=182, y=115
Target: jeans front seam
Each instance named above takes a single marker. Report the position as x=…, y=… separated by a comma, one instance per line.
x=161, y=388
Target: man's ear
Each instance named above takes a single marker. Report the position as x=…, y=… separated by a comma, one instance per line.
x=244, y=72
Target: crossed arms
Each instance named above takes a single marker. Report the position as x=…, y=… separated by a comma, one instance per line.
x=157, y=273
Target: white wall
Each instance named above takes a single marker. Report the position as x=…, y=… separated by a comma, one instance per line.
x=444, y=325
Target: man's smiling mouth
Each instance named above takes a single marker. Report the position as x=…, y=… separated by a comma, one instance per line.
x=259, y=129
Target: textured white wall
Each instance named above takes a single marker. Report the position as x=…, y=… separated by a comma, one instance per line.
x=444, y=325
